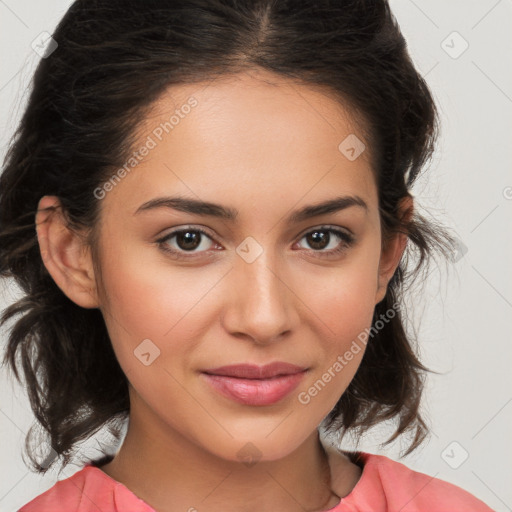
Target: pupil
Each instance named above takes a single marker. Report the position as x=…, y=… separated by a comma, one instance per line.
x=319, y=237
x=188, y=238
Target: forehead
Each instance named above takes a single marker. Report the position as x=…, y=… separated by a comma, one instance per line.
x=258, y=137
x=256, y=102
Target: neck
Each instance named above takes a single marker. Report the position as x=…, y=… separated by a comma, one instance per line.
x=171, y=474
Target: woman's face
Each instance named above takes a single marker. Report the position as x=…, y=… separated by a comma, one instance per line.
x=263, y=285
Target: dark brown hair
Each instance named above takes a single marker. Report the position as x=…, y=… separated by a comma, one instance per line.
x=114, y=59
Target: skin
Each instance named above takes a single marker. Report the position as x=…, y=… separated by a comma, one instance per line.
x=265, y=146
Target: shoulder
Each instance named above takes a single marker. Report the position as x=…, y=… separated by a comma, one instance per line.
x=88, y=490
x=64, y=494
x=387, y=485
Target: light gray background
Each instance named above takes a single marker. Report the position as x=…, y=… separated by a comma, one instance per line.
x=463, y=317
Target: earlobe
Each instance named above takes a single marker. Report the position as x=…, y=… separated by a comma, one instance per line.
x=64, y=254
x=392, y=252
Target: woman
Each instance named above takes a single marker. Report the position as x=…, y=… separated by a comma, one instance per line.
x=207, y=205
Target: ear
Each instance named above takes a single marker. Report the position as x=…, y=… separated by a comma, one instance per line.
x=64, y=254
x=392, y=251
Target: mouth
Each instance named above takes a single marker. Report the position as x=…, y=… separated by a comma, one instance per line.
x=255, y=385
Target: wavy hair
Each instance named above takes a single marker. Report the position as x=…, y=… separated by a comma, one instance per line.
x=114, y=59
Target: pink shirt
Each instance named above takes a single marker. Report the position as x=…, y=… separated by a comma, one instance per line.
x=384, y=486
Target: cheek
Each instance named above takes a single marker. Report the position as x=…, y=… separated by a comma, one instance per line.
x=345, y=301
x=346, y=305
x=341, y=356
x=149, y=300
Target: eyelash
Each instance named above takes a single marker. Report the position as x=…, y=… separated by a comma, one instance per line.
x=347, y=241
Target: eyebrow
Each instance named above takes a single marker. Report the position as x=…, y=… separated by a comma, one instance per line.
x=194, y=206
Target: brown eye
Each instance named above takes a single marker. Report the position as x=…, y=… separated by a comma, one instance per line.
x=188, y=240
x=318, y=239
x=321, y=238
x=185, y=241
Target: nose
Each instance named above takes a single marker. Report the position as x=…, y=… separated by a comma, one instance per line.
x=262, y=303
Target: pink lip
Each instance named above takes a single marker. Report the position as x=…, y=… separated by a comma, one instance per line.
x=255, y=385
x=252, y=371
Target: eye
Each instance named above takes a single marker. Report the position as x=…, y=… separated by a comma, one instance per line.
x=321, y=238
x=187, y=241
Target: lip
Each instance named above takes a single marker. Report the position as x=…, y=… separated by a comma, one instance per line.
x=255, y=385
x=253, y=371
